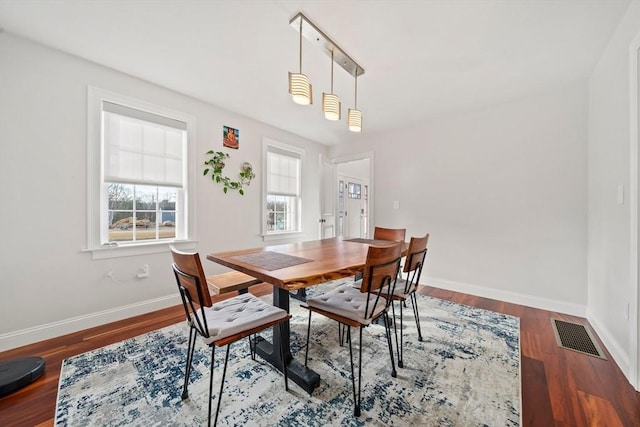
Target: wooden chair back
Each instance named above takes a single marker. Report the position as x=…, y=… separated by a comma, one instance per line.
x=416, y=253
x=415, y=260
x=190, y=277
x=380, y=273
x=395, y=234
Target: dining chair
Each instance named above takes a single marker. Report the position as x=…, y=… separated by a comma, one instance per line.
x=382, y=233
x=221, y=323
x=406, y=288
x=359, y=307
x=379, y=233
x=397, y=234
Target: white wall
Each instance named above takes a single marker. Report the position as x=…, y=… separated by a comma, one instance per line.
x=609, y=288
x=503, y=192
x=47, y=285
x=355, y=169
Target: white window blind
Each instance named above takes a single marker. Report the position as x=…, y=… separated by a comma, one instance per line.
x=283, y=175
x=142, y=147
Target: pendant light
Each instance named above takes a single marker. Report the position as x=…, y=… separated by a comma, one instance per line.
x=330, y=102
x=299, y=85
x=354, y=117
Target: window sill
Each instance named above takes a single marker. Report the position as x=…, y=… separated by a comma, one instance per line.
x=134, y=249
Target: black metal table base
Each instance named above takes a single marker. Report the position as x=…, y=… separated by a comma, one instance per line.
x=300, y=295
x=306, y=378
x=298, y=373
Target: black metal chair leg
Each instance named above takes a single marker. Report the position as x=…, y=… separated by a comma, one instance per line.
x=400, y=347
x=342, y=333
x=394, y=374
x=395, y=331
x=414, y=302
x=356, y=400
x=187, y=369
x=224, y=373
x=213, y=358
x=357, y=411
x=306, y=353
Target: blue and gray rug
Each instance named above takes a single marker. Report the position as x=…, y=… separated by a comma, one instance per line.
x=466, y=372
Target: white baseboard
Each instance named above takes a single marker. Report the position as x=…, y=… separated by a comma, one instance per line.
x=620, y=356
x=507, y=296
x=51, y=330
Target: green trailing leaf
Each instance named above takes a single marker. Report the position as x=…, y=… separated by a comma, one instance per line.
x=216, y=165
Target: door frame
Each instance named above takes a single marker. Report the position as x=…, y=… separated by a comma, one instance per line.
x=322, y=160
x=368, y=155
x=634, y=195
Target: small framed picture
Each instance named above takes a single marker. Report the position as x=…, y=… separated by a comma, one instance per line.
x=230, y=137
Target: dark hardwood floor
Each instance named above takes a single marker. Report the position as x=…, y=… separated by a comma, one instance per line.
x=559, y=387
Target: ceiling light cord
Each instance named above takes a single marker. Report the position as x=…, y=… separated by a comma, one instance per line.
x=356, y=94
x=300, y=47
x=331, y=70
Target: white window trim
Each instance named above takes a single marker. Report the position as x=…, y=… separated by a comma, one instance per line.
x=95, y=97
x=266, y=143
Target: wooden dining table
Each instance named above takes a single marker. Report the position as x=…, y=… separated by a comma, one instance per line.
x=293, y=267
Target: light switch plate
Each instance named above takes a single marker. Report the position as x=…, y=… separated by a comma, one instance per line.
x=620, y=194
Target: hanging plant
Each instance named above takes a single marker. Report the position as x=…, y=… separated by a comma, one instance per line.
x=215, y=164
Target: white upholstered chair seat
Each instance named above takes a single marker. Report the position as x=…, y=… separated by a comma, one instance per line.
x=399, y=289
x=348, y=302
x=237, y=314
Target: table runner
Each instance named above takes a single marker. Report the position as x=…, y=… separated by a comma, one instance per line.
x=268, y=260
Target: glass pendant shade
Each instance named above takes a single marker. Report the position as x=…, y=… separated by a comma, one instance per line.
x=331, y=106
x=355, y=120
x=300, y=89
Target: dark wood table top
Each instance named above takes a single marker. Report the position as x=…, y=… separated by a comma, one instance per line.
x=299, y=265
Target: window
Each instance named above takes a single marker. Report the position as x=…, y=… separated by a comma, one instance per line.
x=283, y=200
x=139, y=183
x=139, y=212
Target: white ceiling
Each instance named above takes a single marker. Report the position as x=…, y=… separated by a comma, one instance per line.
x=421, y=58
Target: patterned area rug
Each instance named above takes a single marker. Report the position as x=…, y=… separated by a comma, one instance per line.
x=466, y=372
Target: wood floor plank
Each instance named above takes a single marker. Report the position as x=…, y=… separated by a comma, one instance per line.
x=536, y=406
x=598, y=411
x=558, y=388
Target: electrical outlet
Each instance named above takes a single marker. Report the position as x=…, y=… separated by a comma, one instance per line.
x=143, y=271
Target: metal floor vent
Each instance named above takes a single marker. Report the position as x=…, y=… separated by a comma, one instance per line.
x=576, y=337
